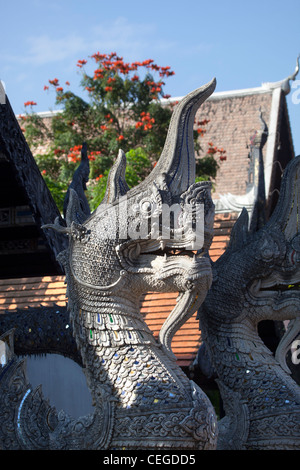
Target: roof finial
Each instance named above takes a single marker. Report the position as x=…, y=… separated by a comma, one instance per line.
x=285, y=83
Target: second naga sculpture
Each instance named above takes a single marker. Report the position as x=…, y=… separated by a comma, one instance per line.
x=142, y=398
x=256, y=279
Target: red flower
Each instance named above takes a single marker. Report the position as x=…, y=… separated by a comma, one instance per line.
x=146, y=117
x=76, y=148
x=203, y=123
x=135, y=65
x=46, y=87
x=60, y=88
x=44, y=172
x=98, y=57
x=30, y=103
x=54, y=82
x=98, y=71
x=108, y=88
x=80, y=63
x=67, y=83
x=93, y=153
x=121, y=137
x=147, y=62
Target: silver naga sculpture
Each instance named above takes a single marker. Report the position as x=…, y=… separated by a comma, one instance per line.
x=142, y=398
x=257, y=278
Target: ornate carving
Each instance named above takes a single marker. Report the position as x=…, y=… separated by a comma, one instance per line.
x=126, y=247
x=14, y=148
x=257, y=279
x=42, y=330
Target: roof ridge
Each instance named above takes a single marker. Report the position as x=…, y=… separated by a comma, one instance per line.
x=216, y=95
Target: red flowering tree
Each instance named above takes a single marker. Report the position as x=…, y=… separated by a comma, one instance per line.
x=120, y=107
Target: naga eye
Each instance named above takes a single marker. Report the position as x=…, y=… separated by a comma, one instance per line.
x=292, y=257
x=267, y=253
x=269, y=249
x=296, y=243
x=146, y=207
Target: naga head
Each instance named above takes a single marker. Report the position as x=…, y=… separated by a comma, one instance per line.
x=258, y=276
x=278, y=286
x=153, y=236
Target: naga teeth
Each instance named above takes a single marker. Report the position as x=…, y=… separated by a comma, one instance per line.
x=134, y=252
x=162, y=244
x=257, y=286
x=138, y=249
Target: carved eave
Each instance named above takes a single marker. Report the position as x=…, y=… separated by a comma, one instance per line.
x=18, y=159
x=284, y=84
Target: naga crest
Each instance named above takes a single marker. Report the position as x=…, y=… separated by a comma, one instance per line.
x=153, y=237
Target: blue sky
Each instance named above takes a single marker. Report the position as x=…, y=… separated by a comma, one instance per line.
x=242, y=44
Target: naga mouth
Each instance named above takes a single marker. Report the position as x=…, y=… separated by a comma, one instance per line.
x=173, y=252
x=283, y=288
x=146, y=254
x=165, y=249
x=264, y=288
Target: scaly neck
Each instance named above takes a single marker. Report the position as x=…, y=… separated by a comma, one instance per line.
x=122, y=357
x=246, y=366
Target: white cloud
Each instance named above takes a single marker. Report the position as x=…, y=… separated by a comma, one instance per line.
x=121, y=36
x=44, y=49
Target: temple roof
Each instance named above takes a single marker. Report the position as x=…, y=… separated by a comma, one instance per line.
x=25, y=205
x=234, y=118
